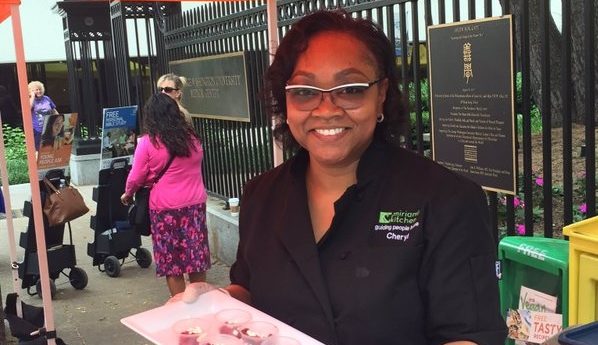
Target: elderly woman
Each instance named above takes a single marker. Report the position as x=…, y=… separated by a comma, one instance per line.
x=40, y=105
x=355, y=240
x=172, y=85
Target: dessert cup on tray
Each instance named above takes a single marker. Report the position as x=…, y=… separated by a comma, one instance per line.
x=156, y=324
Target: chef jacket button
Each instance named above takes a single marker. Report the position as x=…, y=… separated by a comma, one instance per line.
x=344, y=255
x=362, y=272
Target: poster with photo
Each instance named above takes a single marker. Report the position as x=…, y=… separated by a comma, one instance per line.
x=119, y=136
x=57, y=136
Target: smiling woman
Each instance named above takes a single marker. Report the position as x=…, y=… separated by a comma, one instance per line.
x=355, y=240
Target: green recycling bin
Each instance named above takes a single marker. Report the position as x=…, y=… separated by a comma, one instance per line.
x=537, y=263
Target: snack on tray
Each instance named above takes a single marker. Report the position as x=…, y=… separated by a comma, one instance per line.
x=191, y=331
x=254, y=332
x=221, y=339
x=231, y=319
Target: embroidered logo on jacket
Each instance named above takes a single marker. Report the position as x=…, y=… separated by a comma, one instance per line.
x=398, y=225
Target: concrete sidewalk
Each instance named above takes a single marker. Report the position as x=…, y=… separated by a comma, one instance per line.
x=92, y=315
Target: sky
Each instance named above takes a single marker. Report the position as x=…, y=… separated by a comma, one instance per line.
x=43, y=37
x=42, y=32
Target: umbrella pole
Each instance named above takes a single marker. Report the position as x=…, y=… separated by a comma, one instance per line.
x=33, y=177
x=9, y=223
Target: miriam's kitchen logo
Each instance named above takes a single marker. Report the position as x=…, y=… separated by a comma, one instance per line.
x=398, y=225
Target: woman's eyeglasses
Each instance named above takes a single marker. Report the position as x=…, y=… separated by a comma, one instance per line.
x=167, y=89
x=346, y=96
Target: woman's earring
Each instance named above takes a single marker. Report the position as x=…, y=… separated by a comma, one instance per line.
x=380, y=118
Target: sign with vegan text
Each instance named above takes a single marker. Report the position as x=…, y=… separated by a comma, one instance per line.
x=216, y=86
x=472, y=100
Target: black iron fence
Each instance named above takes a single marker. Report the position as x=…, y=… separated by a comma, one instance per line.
x=555, y=58
x=233, y=151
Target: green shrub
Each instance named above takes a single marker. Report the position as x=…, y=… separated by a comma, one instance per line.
x=14, y=142
x=424, y=94
x=18, y=171
x=16, y=155
x=425, y=122
x=536, y=121
x=425, y=108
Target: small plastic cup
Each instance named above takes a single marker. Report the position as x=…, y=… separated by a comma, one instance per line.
x=234, y=206
x=221, y=339
x=255, y=332
x=190, y=331
x=230, y=319
x=280, y=340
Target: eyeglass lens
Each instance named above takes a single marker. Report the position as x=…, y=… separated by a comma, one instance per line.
x=307, y=98
x=167, y=89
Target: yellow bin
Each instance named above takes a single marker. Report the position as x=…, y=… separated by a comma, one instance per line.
x=583, y=270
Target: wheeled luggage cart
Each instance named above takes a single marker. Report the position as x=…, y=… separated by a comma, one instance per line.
x=114, y=237
x=60, y=256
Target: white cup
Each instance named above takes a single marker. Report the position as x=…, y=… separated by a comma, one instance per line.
x=234, y=206
x=231, y=319
x=255, y=332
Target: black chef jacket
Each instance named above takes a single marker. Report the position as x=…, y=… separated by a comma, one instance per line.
x=409, y=257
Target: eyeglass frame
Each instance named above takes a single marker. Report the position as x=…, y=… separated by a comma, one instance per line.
x=167, y=89
x=322, y=91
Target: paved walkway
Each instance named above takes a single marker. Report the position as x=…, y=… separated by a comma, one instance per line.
x=92, y=315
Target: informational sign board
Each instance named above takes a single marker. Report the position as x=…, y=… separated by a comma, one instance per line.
x=119, y=136
x=216, y=86
x=56, y=142
x=472, y=100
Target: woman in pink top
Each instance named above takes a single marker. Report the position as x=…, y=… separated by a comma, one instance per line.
x=178, y=200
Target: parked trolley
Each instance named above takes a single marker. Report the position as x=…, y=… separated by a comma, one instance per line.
x=114, y=237
x=61, y=256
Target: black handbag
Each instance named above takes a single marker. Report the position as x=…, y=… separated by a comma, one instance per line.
x=139, y=213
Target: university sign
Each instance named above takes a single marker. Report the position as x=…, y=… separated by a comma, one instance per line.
x=216, y=86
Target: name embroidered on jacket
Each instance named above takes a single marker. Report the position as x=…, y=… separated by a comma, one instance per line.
x=398, y=224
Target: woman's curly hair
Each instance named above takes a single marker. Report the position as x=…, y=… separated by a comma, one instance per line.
x=395, y=125
x=162, y=119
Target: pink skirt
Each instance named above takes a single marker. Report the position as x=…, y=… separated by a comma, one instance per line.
x=180, y=238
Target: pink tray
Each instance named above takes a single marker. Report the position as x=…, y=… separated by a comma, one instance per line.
x=155, y=324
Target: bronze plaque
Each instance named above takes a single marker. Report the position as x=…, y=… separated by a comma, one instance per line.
x=472, y=100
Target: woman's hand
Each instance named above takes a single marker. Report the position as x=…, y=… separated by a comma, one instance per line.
x=126, y=199
x=192, y=292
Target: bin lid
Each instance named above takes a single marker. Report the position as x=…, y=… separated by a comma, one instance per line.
x=586, y=229
x=582, y=335
x=537, y=251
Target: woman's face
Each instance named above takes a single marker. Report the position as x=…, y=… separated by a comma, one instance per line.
x=37, y=91
x=336, y=134
x=168, y=87
x=57, y=126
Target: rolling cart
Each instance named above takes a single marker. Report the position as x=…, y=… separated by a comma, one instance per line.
x=60, y=256
x=114, y=237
